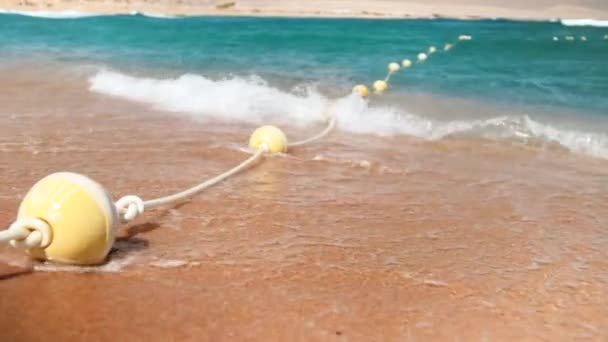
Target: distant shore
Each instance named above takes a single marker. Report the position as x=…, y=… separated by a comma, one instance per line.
x=464, y=9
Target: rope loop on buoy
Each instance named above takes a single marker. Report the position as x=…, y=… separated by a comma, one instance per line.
x=27, y=233
x=129, y=208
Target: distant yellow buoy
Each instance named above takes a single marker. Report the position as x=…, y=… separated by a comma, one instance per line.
x=269, y=136
x=393, y=67
x=447, y=47
x=361, y=90
x=422, y=57
x=432, y=50
x=583, y=38
x=555, y=39
x=570, y=38
x=80, y=214
x=380, y=87
x=406, y=63
x=464, y=37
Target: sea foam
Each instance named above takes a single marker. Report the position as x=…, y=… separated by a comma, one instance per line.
x=253, y=100
x=585, y=22
x=51, y=14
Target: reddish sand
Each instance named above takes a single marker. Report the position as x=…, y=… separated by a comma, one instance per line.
x=360, y=238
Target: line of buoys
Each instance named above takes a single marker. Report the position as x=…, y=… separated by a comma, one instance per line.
x=571, y=38
x=69, y=218
x=381, y=86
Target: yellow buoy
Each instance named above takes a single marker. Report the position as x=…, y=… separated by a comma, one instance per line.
x=380, y=87
x=422, y=57
x=447, y=47
x=406, y=63
x=361, y=90
x=80, y=214
x=393, y=67
x=270, y=136
x=432, y=50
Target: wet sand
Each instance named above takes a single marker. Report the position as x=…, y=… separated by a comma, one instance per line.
x=463, y=9
x=360, y=238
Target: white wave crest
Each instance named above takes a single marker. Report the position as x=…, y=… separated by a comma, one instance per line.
x=51, y=14
x=253, y=100
x=154, y=15
x=585, y=22
x=236, y=99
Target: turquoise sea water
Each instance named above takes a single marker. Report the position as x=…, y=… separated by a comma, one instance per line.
x=509, y=64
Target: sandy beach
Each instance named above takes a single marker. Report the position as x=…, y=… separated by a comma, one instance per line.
x=484, y=222
x=466, y=9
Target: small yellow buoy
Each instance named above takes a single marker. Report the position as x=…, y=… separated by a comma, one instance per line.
x=80, y=214
x=464, y=37
x=422, y=57
x=270, y=136
x=393, y=67
x=380, y=87
x=447, y=47
x=361, y=90
x=432, y=50
x=406, y=63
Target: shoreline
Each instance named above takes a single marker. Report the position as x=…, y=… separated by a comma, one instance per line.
x=471, y=10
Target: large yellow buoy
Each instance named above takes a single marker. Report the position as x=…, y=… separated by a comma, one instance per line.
x=380, y=86
x=406, y=63
x=270, y=136
x=432, y=50
x=80, y=214
x=361, y=90
x=422, y=57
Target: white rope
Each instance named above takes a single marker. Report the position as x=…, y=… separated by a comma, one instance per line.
x=27, y=233
x=330, y=126
x=388, y=76
x=129, y=207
